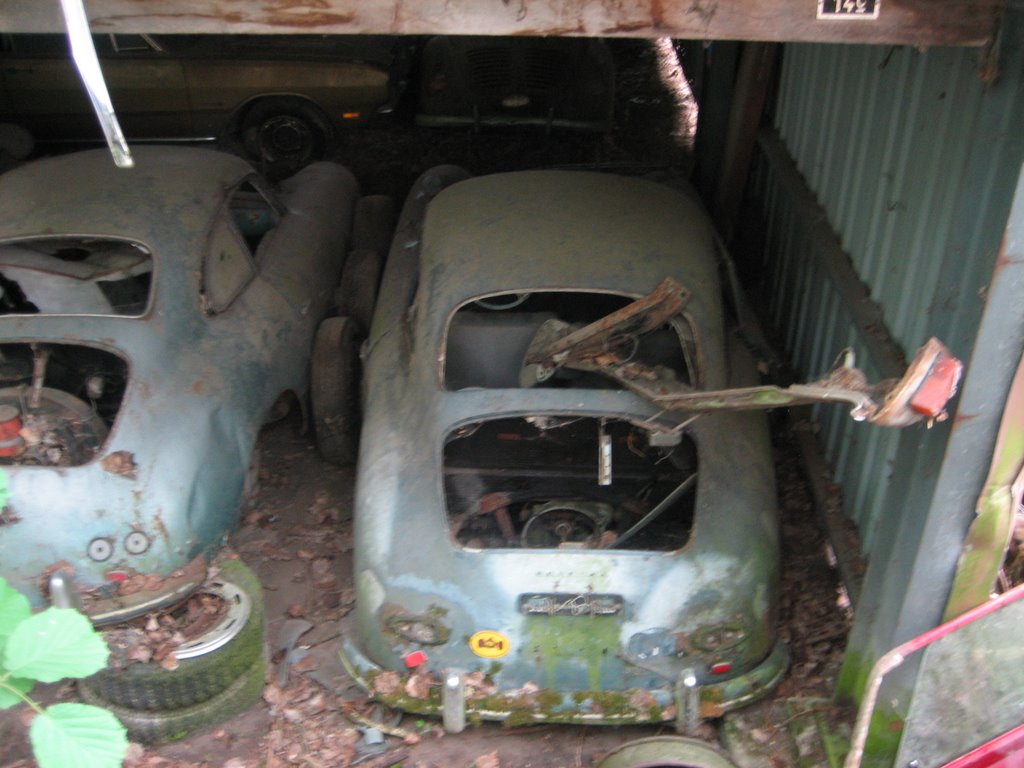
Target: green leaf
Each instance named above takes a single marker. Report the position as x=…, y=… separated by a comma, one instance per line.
x=9, y=698
x=78, y=736
x=14, y=609
x=54, y=644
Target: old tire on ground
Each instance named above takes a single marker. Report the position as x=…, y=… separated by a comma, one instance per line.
x=373, y=223
x=170, y=725
x=666, y=752
x=286, y=132
x=373, y=227
x=215, y=659
x=334, y=387
x=357, y=291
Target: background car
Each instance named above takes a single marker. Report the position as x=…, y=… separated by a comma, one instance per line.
x=150, y=321
x=543, y=544
x=280, y=98
x=548, y=82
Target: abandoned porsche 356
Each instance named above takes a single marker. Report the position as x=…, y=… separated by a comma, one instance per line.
x=149, y=321
x=562, y=513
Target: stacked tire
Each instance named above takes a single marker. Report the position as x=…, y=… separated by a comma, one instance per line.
x=220, y=673
x=335, y=368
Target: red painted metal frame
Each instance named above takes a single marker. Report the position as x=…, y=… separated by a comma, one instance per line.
x=1006, y=751
x=994, y=749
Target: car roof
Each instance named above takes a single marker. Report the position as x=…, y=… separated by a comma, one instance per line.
x=171, y=192
x=534, y=230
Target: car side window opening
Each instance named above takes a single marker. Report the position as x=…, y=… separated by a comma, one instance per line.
x=234, y=245
x=488, y=338
x=228, y=267
x=253, y=213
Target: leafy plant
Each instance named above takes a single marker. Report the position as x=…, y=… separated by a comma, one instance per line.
x=46, y=647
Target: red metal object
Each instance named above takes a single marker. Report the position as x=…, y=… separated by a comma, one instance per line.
x=415, y=659
x=11, y=442
x=994, y=749
x=938, y=387
x=720, y=668
x=1006, y=751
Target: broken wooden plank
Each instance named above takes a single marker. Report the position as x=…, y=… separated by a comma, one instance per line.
x=897, y=22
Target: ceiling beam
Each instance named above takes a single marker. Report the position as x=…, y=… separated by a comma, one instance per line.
x=910, y=22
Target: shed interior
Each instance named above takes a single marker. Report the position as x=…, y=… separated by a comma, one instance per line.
x=863, y=163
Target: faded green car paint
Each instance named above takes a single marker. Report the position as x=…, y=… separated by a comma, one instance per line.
x=531, y=233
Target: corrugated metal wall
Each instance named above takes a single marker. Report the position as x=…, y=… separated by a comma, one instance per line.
x=888, y=140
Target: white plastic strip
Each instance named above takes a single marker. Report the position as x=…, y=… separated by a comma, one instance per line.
x=84, y=54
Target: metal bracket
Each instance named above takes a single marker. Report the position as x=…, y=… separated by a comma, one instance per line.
x=920, y=394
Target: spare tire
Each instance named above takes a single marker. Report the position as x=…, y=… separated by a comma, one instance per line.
x=334, y=389
x=171, y=725
x=666, y=752
x=207, y=664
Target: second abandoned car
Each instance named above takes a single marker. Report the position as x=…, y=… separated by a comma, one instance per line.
x=542, y=544
x=150, y=321
x=565, y=504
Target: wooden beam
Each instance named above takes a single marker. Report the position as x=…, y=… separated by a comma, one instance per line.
x=757, y=67
x=909, y=22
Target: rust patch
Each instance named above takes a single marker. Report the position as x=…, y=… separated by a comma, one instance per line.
x=198, y=386
x=48, y=571
x=8, y=516
x=120, y=463
x=157, y=582
x=309, y=19
x=704, y=11
x=1003, y=259
x=962, y=418
x=158, y=523
x=658, y=14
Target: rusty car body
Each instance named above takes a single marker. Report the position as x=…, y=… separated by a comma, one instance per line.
x=149, y=321
x=546, y=545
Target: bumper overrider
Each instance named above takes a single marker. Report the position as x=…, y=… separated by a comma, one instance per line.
x=460, y=696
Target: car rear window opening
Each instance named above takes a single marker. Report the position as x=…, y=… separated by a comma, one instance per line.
x=488, y=339
x=58, y=402
x=569, y=482
x=74, y=276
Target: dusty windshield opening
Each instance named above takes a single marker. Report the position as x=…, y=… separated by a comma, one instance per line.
x=75, y=276
x=488, y=339
x=569, y=482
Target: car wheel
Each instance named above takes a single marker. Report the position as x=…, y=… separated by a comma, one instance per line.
x=171, y=725
x=208, y=663
x=373, y=223
x=334, y=382
x=665, y=751
x=357, y=291
x=360, y=279
x=287, y=133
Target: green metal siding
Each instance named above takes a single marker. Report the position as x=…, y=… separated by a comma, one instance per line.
x=906, y=153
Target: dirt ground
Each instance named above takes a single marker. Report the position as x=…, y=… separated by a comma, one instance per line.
x=296, y=531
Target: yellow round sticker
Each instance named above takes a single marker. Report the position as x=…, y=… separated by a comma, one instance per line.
x=489, y=644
